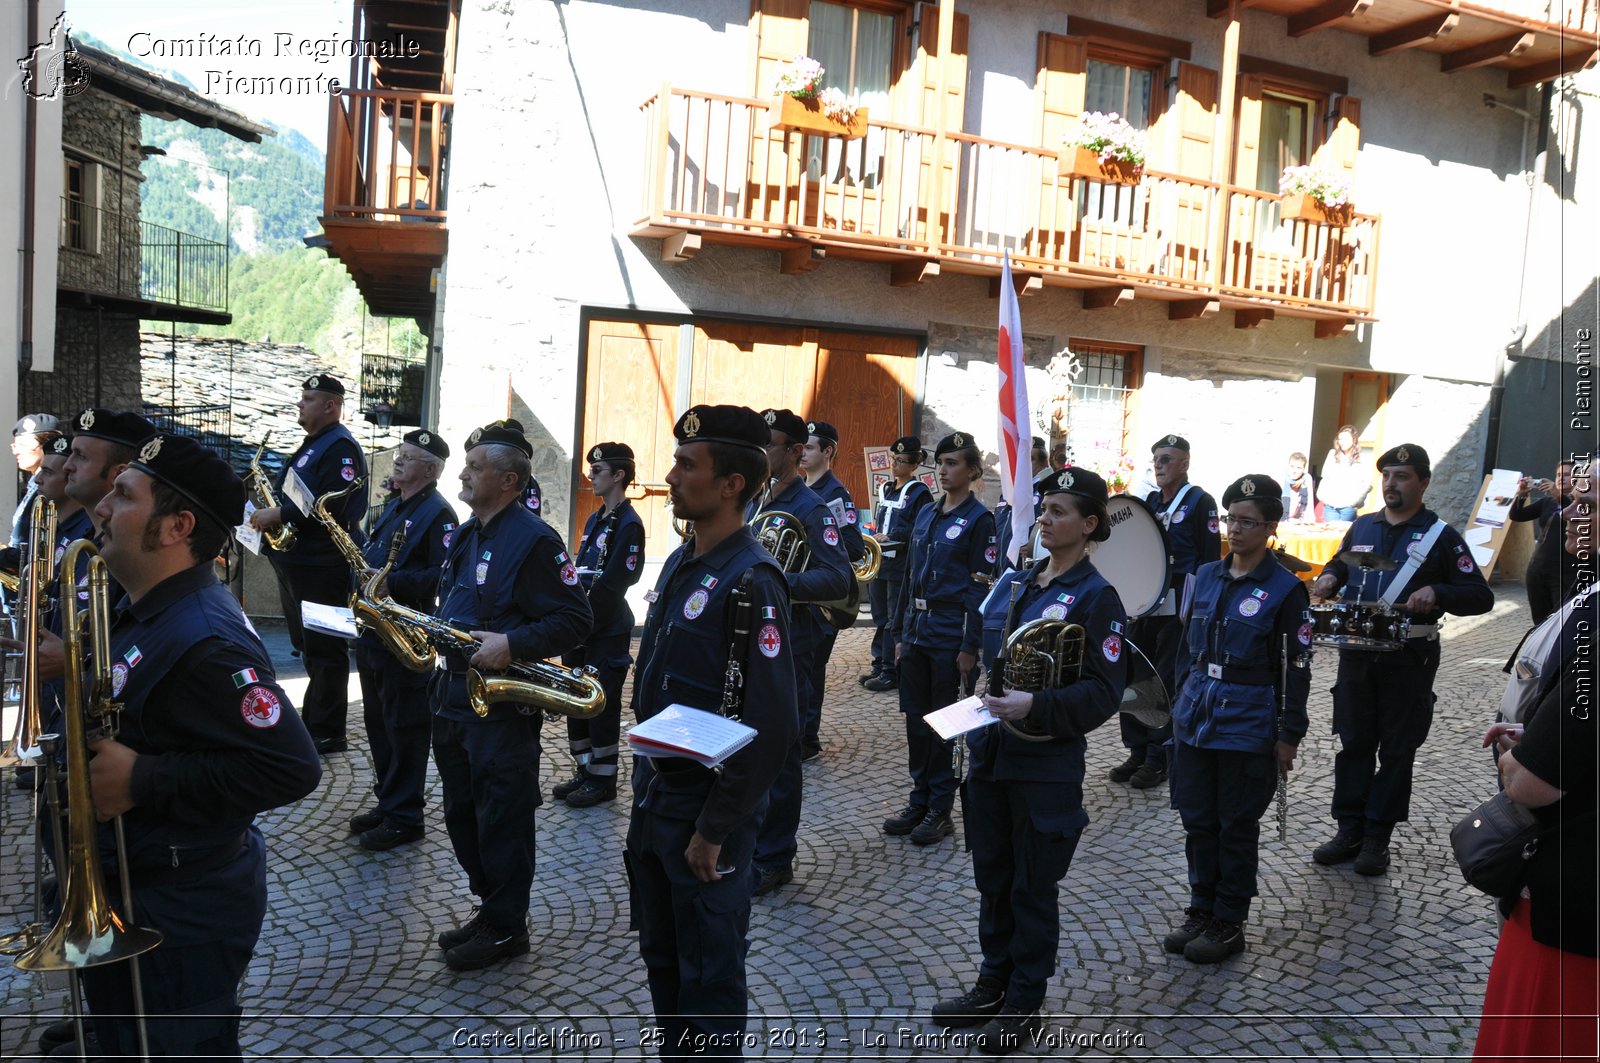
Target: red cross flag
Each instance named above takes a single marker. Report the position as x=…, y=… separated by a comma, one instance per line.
x=1016, y=417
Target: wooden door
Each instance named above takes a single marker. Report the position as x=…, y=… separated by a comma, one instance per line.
x=866, y=388
x=630, y=397
x=758, y=366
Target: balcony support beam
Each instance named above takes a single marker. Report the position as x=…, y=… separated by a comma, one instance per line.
x=1507, y=47
x=1025, y=284
x=1253, y=316
x=1332, y=328
x=1106, y=298
x=1219, y=8
x=1413, y=33
x=1552, y=69
x=911, y=273
x=1192, y=309
x=680, y=247
x=1324, y=15
x=802, y=258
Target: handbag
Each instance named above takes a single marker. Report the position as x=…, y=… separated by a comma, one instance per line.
x=1494, y=844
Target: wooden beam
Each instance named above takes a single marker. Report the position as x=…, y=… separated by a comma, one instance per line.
x=1192, y=309
x=1551, y=69
x=1025, y=283
x=802, y=258
x=1324, y=15
x=1106, y=298
x=912, y=272
x=1413, y=33
x=1332, y=328
x=1219, y=8
x=1128, y=40
x=1507, y=47
x=1334, y=84
x=1253, y=316
x=680, y=247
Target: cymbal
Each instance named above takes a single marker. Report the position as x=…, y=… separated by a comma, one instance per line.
x=1290, y=562
x=1369, y=560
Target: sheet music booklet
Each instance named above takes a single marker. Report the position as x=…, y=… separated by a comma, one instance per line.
x=679, y=731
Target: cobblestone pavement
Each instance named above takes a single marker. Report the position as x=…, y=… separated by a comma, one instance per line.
x=873, y=930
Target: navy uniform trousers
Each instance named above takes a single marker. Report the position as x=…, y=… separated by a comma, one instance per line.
x=1380, y=700
x=394, y=705
x=929, y=679
x=1221, y=795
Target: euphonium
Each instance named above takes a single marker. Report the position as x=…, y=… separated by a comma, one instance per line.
x=684, y=528
x=784, y=537
x=89, y=932
x=283, y=539
x=412, y=651
x=867, y=568
x=573, y=692
x=1042, y=654
x=38, y=573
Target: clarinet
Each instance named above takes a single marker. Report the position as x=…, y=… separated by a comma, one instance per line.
x=743, y=607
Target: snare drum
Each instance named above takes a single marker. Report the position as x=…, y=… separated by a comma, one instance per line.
x=1370, y=626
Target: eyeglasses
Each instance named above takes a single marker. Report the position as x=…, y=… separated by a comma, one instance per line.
x=1163, y=459
x=1243, y=523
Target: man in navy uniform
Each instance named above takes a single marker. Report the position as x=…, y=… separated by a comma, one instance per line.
x=1383, y=702
x=692, y=835
x=899, y=501
x=610, y=560
x=508, y=581
x=826, y=577
x=207, y=740
x=1190, y=516
x=816, y=465
x=394, y=699
x=329, y=459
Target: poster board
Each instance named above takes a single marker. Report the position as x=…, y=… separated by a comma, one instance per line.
x=1487, y=530
x=878, y=462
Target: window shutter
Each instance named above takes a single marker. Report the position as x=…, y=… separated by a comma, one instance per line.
x=782, y=32
x=1248, y=156
x=1184, y=139
x=925, y=80
x=1339, y=151
x=1194, y=113
x=1060, y=86
x=783, y=28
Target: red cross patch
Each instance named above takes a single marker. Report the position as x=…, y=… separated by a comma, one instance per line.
x=260, y=707
x=991, y=554
x=1305, y=634
x=569, y=575
x=850, y=516
x=769, y=640
x=830, y=536
x=347, y=472
x=1112, y=649
x=1464, y=563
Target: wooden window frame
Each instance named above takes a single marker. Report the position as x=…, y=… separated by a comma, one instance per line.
x=1150, y=48
x=1132, y=379
x=83, y=235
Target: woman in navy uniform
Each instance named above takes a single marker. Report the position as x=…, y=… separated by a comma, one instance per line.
x=208, y=740
x=509, y=581
x=825, y=578
x=941, y=633
x=328, y=459
x=610, y=560
x=1383, y=702
x=899, y=502
x=1238, y=718
x=1024, y=798
x=692, y=834
x=394, y=699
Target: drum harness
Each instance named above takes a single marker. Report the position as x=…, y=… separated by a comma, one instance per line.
x=1415, y=555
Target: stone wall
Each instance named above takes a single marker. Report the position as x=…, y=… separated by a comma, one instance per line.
x=104, y=132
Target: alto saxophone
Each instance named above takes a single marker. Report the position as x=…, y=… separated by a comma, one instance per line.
x=283, y=539
x=412, y=650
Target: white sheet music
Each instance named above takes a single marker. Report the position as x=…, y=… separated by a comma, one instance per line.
x=680, y=731
x=968, y=714
x=298, y=492
x=334, y=620
x=248, y=537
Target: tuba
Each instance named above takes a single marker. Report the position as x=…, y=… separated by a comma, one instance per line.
x=283, y=539
x=1041, y=655
x=573, y=692
x=88, y=932
x=412, y=650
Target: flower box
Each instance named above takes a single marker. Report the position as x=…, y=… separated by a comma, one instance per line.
x=1299, y=206
x=1081, y=162
x=807, y=116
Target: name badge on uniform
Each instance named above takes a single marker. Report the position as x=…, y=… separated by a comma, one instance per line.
x=483, y=568
x=651, y=595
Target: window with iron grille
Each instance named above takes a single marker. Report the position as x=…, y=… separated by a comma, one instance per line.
x=1100, y=417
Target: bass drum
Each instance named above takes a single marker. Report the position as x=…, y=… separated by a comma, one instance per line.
x=1137, y=559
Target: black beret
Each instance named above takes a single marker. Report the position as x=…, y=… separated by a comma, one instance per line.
x=197, y=474
x=737, y=425
x=1407, y=454
x=61, y=445
x=129, y=429
x=432, y=442
x=823, y=431
x=1175, y=442
x=1254, y=487
x=324, y=382
x=1085, y=483
x=788, y=422
x=908, y=447
x=612, y=453
x=503, y=433
x=954, y=441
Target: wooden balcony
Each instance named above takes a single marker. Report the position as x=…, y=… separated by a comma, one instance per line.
x=716, y=173
x=383, y=211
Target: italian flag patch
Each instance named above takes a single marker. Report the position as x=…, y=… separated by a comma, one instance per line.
x=245, y=678
x=133, y=656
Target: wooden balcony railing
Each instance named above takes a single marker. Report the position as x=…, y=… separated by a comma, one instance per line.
x=713, y=167
x=385, y=150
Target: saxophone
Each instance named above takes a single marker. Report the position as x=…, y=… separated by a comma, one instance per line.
x=283, y=539
x=412, y=651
